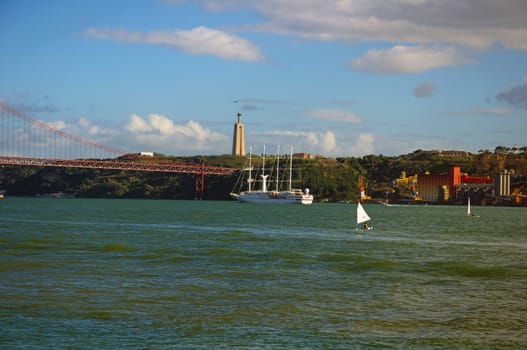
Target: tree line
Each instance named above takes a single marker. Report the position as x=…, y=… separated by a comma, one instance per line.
x=329, y=179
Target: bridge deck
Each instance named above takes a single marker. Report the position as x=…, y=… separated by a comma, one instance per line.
x=117, y=165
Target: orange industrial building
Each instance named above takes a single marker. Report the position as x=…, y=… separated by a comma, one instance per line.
x=449, y=187
x=439, y=188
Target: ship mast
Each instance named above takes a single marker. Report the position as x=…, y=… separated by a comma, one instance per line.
x=277, y=165
x=291, y=168
x=250, y=179
x=264, y=177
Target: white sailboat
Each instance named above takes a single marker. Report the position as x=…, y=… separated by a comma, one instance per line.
x=264, y=196
x=362, y=217
x=469, y=211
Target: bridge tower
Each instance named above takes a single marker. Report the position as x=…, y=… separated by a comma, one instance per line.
x=238, y=140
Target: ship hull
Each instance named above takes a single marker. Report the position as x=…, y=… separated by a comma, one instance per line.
x=259, y=197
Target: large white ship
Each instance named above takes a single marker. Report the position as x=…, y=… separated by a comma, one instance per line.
x=277, y=196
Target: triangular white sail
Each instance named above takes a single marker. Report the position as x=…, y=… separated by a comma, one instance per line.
x=362, y=216
x=468, y=206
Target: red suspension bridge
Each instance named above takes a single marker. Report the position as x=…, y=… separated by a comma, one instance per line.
x=25, y=141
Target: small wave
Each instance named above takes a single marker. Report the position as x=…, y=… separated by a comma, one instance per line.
x=118, y=248
x=8, y=266
x=36, y=244
x=468, y=270
x=191, y=288
x=288, y=255
x=336, y=257
x=229, y=255
x=245, y=235
x=179, y=258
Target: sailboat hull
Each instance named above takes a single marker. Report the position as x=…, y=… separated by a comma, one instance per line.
x=362, y=218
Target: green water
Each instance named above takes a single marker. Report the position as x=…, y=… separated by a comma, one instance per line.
x=107, y=274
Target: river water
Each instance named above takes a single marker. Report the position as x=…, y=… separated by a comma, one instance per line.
x=142, y=274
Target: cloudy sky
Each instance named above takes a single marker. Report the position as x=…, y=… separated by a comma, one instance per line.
x=336, y=78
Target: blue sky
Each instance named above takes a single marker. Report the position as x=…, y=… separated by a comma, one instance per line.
x=335, y=78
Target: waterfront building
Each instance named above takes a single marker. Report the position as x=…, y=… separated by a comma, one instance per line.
x=443, y=194
x=502, y=184
x=439, y=188
x=456, y=186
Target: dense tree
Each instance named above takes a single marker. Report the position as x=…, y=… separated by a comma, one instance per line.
x=328, y=178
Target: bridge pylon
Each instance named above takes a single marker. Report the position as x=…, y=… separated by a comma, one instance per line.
x=200, y=183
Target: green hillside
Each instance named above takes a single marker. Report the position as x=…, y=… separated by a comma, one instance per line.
x=329, y=179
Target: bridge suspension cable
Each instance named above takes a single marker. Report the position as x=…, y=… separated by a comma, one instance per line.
x=25, y=141
x=24, y=136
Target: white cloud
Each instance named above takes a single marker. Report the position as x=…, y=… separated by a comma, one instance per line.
x=163, y=135
x=308, y=139
x=408, y=59
x=492, y=111
x=59, y=124
x=479, y=24
x=364, y=144
x=164, y=126
x=92, y=129
x=326, y=143
x=199, y=41
x=304, y=141
x=83, y=128
x=136, y=124
x=160, y=134
x=311, y=139
x=333, y=114
x=282, y=133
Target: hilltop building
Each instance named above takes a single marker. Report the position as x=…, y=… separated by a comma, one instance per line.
x=302, y=155
x=443, y=153
x=238, y=140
